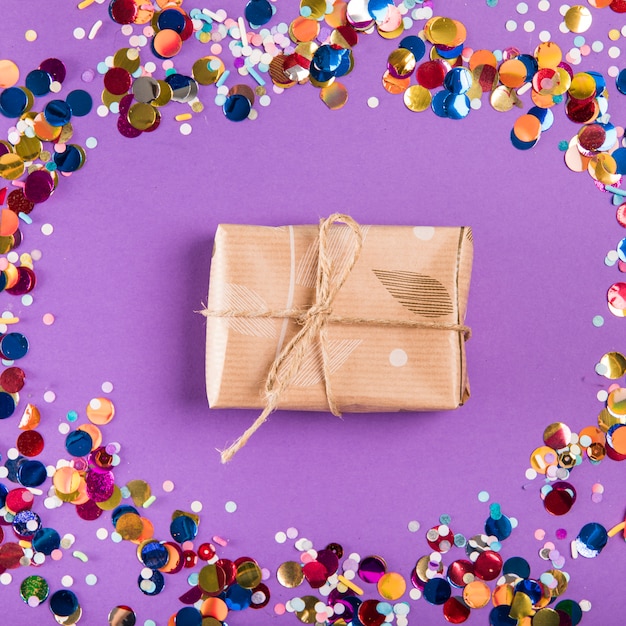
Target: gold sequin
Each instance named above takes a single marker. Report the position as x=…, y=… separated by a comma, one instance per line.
x=289, y=574
x=334, y=96
x=417, y=98
x=578, y=19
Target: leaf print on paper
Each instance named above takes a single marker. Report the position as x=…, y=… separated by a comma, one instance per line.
x=419, y=293
x=311, y=373
x=340, y=247
x=240, y=298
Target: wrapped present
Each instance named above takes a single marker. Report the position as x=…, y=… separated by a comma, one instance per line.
x=338, y=317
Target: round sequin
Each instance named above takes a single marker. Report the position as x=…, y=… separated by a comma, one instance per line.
x=371, y=569
x=560, y=499
x=63, y=603
x=34, y=587
x=46, y=540
x=591, y=539
x=32, y=473
x=12, y=379
x=13, y=346
x=437, y=591
x=100, y=411
x=122, y=616
x=30, y=443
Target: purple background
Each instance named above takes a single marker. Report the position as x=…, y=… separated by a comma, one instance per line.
x=128, y=264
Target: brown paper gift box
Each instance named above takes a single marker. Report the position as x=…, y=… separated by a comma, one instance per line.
x=418, y=275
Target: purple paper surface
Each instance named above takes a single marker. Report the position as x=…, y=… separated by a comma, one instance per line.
x=126, y=270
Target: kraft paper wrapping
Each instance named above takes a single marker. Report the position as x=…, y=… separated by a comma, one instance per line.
x=402, y=273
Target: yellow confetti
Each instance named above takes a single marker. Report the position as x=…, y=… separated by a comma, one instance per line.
x=350, y=585
x=85, y=3
x=181, y=117
x=616, y=529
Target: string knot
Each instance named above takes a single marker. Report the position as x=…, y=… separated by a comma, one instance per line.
x=317, y=311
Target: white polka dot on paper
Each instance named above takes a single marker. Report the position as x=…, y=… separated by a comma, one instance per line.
x=280, y=537
x=544, y=5
x=613, y=71
x=253, y=114
x=27, y=299
x=107, y=386
x=168, y=486
x=415, y=594
x=602, y=395
x=522, y=8
x=563, y=9
x=33, y=601
x=49, y=396
x=47, y=229
x=585, y=606
x=265, y=100
x=79, y=33
x=55, y=86
x=545, y=36
x=185, y=129
x=67, y=581
x=127, y=30
x=102, y=533
x=102, y=110
x=91, y=579
x=12, y=454
x=64, y=428
x=511, y=25
x=91, y=142
x=564, y=29
x=475, y=104
x=292, y=532
x=230, y=506
x=413, y=526
x=5, y=578
x=529, y=26
x=196, y=506
x=372, y=102
x=597, y=46
x=398, y=357
x=614, y=52
x=4, y=472
x=425, y=233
